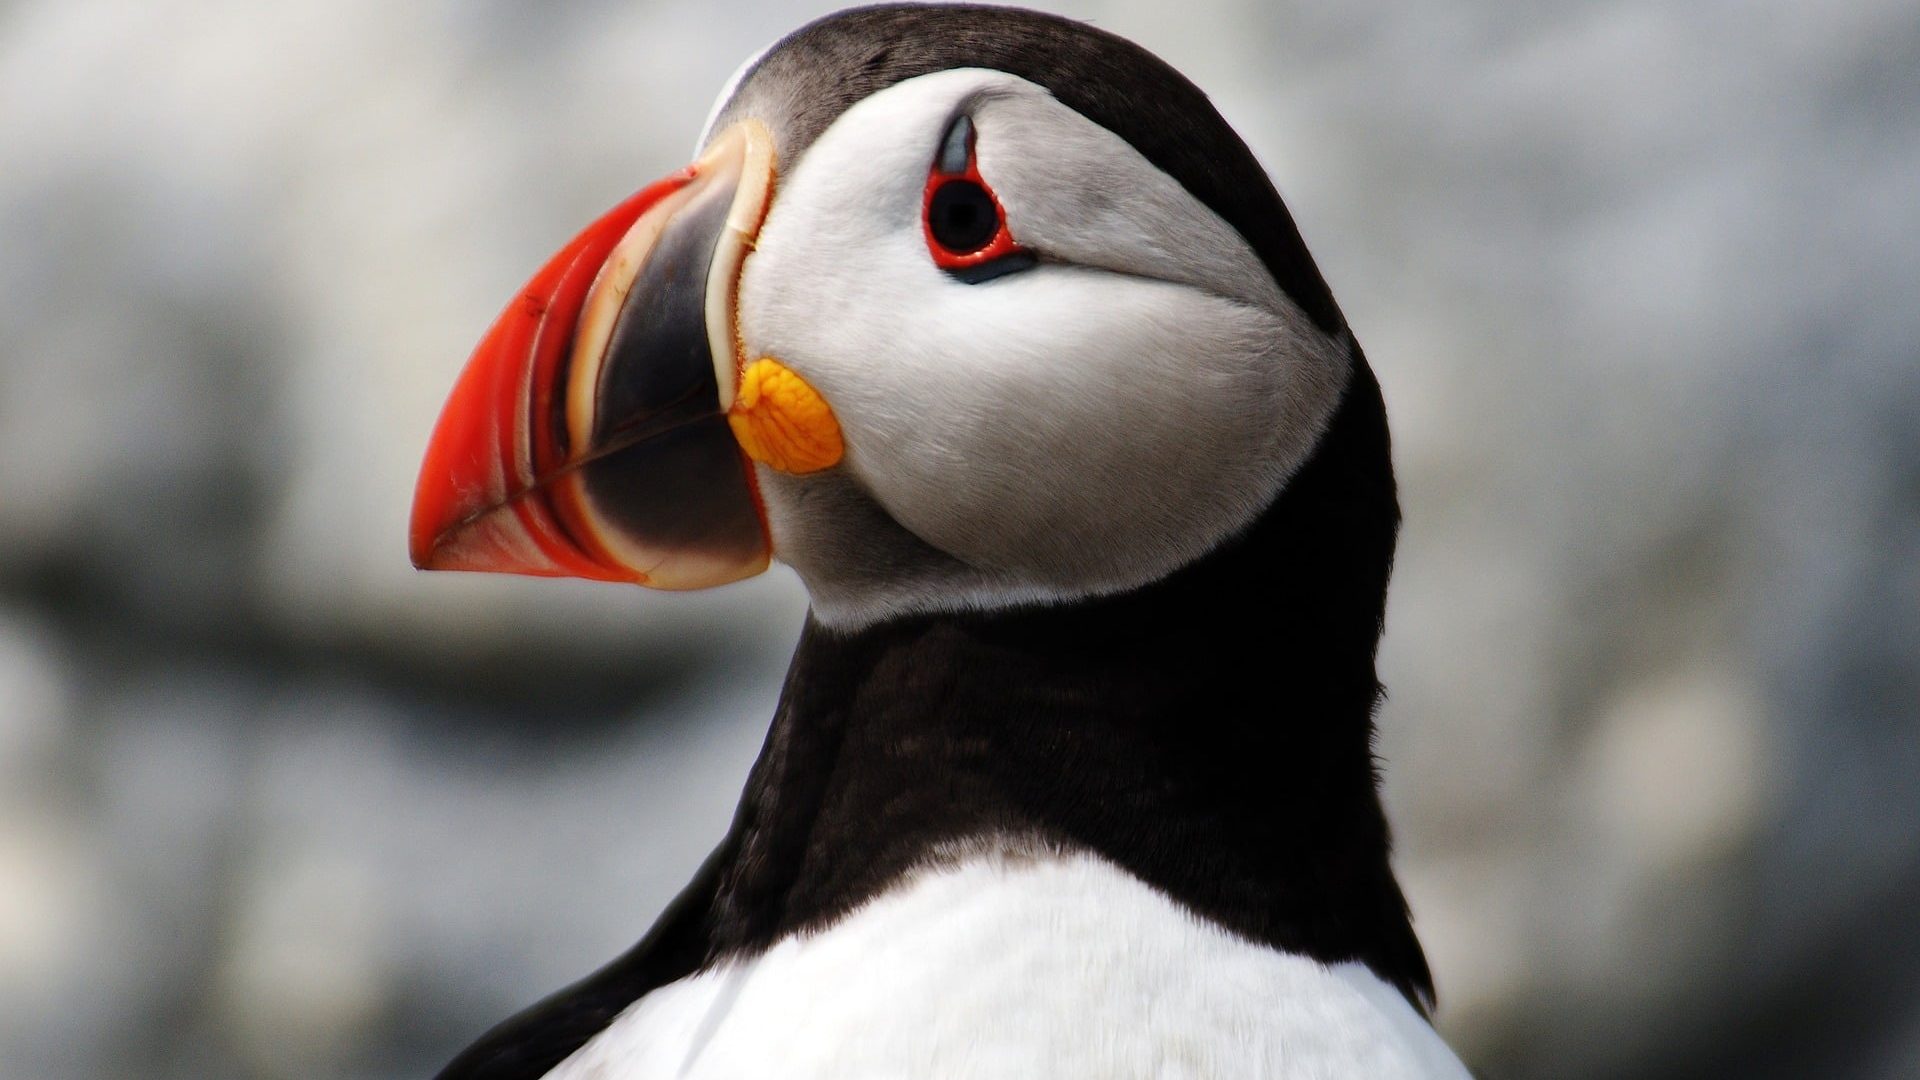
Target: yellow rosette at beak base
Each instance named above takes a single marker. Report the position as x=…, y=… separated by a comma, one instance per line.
x=782, y=422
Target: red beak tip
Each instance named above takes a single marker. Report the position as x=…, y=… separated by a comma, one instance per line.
x=428, y=551
x=422, y=558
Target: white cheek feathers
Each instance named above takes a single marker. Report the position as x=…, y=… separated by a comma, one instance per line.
x=1084, y=426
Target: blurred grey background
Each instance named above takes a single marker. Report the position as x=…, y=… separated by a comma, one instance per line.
x=1642, y=283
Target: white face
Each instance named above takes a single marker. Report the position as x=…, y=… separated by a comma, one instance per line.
x=1083, y=426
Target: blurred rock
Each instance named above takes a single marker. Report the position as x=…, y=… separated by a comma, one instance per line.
x=306, y=976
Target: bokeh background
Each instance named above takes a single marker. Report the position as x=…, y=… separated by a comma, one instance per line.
x=1641, y=281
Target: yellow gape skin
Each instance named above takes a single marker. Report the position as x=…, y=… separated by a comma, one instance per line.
x=782, y=422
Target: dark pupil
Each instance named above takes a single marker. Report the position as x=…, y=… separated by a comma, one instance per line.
x=962, y=216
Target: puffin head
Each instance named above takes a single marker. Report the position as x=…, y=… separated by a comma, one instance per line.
x=957, y=308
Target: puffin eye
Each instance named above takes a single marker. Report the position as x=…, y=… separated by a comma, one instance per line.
x=966, y=228
x=962, y=217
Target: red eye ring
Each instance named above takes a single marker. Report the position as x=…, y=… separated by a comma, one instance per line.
x=998, y=246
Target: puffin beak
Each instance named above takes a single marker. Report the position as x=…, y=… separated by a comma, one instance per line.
x=589, y=434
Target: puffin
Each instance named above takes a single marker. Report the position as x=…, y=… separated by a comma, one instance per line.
x=989, y=326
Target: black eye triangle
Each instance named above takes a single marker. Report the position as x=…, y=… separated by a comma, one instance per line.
x=955, y=147
x=1006, y=264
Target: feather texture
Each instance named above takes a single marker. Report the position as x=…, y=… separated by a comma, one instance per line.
x=1020, y=962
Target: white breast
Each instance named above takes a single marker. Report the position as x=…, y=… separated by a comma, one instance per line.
x=1006, y=965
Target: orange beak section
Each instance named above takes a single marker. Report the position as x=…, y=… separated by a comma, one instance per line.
x=587, y=436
